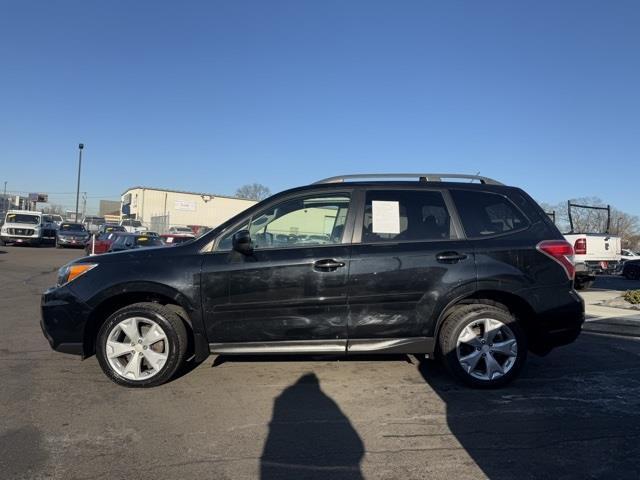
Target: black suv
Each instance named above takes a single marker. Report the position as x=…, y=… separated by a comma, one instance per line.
x=474, y=273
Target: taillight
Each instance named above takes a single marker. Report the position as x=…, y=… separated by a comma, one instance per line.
x=580, y=247
x=562, y=252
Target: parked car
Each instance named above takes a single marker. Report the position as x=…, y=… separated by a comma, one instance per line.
x=71, y=235
x=93, y=223
x=128, y=241
x=175, y=238
x=133, y=226
x=102, y=243
x=184, y=230
x=24, y=227
x=111, y=227
x=473, y=273
x=631, y=270
x=57, y=219
x=626, y=254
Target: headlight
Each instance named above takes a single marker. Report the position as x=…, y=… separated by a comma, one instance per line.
x=69, y=273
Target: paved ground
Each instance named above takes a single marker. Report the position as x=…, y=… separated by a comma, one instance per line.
x=573, y=414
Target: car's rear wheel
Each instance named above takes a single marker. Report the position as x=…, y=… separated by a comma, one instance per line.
x=483, y=345
x=142, y=345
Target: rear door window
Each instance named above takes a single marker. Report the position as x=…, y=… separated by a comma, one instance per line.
x=485, y=214
x=405, y=215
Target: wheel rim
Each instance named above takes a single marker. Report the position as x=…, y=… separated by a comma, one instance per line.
x=487, y=349
x=137, y=348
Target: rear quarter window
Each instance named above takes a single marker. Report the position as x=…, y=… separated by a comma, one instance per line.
x=485, y=214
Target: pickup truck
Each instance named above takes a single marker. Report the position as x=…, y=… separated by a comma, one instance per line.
x=27, y=227
x=594, y=253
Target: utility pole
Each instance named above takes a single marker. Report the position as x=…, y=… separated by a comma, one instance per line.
x=80, y=147
x=4, y=198
x=84, y=204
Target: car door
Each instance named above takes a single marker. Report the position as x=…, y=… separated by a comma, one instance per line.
x=407, y=260
x=292, y=287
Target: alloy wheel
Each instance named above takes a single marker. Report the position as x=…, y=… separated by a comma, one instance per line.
x=487, y=349
x=137, y=348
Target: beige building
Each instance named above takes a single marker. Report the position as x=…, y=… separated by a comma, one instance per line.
x=160, y=209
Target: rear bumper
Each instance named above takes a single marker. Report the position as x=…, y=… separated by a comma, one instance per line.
x=63, y=320
x=604, y=267
x=558, y=319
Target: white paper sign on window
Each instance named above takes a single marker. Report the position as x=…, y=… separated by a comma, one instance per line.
x=385, y=217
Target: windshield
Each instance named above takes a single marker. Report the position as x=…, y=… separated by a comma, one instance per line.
x=132, y=241
x=72, y=227
x=22, y=218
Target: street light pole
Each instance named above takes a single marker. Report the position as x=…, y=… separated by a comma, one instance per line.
x=80, y=147
x=4, y=197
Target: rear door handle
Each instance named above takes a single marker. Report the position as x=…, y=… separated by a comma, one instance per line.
x=450, y=257
x=327, y=265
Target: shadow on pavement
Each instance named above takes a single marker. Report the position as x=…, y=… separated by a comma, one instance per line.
x=572, y=414
x=309, y=437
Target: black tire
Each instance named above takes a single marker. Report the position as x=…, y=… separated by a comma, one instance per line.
x=632, y=274
x=583, y=284
x=466, y=315
x=174, y=330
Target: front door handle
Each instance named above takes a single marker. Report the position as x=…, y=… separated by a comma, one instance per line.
x=327, y=265
x=450, y=257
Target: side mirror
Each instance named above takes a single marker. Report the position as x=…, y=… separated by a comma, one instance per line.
x=241, y=242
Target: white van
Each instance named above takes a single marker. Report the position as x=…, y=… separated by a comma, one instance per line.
x=26, y=227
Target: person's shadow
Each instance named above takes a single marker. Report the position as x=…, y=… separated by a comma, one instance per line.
x=309, y=437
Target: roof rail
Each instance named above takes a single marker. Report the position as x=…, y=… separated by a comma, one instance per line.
x=422, y=177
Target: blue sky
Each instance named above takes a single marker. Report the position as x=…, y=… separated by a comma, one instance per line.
x=207, y=96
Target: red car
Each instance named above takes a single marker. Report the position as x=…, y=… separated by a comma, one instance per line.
x=171, y=239
x=102, y=243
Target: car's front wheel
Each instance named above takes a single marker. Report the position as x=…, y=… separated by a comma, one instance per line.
x=483, y=345
x=142, y=345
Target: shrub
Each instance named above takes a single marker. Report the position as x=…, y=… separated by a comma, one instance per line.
x=632, y=296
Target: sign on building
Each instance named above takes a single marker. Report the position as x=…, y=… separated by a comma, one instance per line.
x=38, y=197
x=184, y=205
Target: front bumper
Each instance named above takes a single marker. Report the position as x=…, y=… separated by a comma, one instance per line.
x=63, y=320
x=21, y=240
x=69, y=242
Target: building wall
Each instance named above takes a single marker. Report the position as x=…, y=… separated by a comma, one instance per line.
x=183, y=208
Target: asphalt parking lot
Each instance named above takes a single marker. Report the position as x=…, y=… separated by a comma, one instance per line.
x=572, y=414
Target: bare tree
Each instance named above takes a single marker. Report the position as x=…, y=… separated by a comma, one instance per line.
x=585, y=220
x=253, y=191
x=54, y=208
